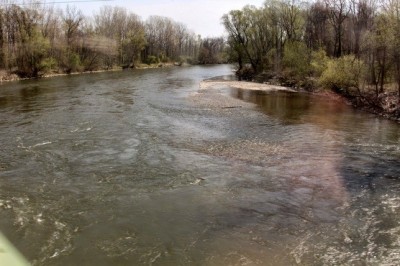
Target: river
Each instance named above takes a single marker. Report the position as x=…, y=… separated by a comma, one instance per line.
x=144, y=168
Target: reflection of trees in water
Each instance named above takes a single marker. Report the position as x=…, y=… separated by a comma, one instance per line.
x=285, y=105
x=3, y=101
x=294, y=108
x=34, y=98
x=30, y=93
x=370, y=146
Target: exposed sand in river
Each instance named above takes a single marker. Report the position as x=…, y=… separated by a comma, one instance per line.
x=206, y=84
x=212, y=94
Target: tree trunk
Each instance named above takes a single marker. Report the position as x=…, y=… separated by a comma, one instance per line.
x=398, y=88
x=339, y=48
x=383, y=71
x=398, y=77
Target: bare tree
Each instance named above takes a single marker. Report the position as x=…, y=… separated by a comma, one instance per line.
x=211, y=51
x=362, y=16
x=338, y=14
x=72, y=19
x=316, y=29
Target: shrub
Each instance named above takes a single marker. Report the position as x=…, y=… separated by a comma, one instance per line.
x=152, y=60
x=319, y=61
x=191, y=61
x=246, y=73
x=48, y=65
x=165, y=59
x=343, y=74
x=74, y=63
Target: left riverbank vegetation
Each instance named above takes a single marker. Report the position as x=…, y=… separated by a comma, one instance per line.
x=38, y=40
x=349, y=46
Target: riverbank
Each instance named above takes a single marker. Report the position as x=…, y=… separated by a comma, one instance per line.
x=386, y=105
x=9, y=77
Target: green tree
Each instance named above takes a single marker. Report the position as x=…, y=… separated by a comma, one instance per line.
x=133, y=45
x=33, y=52
x=249, y=37
x=297, y=60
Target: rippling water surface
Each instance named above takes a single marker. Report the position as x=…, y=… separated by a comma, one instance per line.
x=125, y=168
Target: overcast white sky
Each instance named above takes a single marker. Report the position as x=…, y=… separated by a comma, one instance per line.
x=201, y=16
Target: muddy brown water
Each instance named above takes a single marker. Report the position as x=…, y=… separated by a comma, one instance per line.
x=129, y=168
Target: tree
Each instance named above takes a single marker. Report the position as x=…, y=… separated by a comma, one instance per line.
x=362, y=16
x=250, y=39
x=291, y=20
x=392, y=11
x=169, y=40
x=33, y=51
x=316, y=28
x=211, y=51
x=26, y=46
x=2, y=41
x=257, y=36
x=376, y=48
x=296, y=60
x=72, y=20
x=134, y=41
x=338, y=14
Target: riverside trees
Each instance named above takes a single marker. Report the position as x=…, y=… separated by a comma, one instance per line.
x=307, y=43
x=36, y=39
x=167, y=39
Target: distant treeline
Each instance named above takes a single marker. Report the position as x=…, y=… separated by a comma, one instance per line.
x=351, y=46
x=37, y=39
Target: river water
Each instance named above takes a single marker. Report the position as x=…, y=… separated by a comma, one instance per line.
x=142, y=168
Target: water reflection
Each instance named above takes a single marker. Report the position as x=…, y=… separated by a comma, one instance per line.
x=288, y=106
x=3, y=101
x=28, y=99
x=31, y=92
x=356, y=132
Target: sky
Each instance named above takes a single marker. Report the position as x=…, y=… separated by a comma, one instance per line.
x=201, y=16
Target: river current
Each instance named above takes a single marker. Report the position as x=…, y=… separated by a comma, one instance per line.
x=145, y=168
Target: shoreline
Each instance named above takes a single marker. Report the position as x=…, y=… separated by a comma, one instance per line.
x=7, y=77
